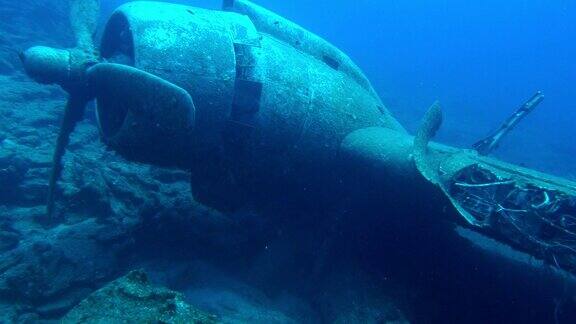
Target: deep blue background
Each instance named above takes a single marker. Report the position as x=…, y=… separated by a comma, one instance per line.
x=480, y=59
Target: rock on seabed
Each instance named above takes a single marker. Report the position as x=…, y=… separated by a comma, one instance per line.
x=132, y=299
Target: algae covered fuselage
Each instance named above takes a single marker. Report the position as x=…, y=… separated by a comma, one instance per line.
x=273, y=101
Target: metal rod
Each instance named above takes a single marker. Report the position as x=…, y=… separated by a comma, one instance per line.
x=491, y=142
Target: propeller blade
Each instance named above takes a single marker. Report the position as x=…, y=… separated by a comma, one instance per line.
x=72, y=115
x=430, y=125
x=84, y=16
x=140, y=115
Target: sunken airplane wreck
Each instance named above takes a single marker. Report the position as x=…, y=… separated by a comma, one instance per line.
x=247, y=100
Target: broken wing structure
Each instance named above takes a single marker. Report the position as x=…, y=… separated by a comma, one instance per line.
x=526, y=209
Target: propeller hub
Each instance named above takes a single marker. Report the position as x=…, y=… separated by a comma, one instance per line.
x=47, y=65
x=65, y=67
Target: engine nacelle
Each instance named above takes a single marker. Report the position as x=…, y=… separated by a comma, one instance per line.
x=271, y=99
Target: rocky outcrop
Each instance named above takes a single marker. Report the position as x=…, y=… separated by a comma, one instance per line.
x=45, y=270
x=102, y=199
x=132, y=299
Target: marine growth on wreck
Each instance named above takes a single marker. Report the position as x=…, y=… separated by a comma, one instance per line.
x=193, y=162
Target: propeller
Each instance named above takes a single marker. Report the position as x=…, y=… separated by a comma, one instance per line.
x=82, y=74
x=84, y=16
x=67, y=67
